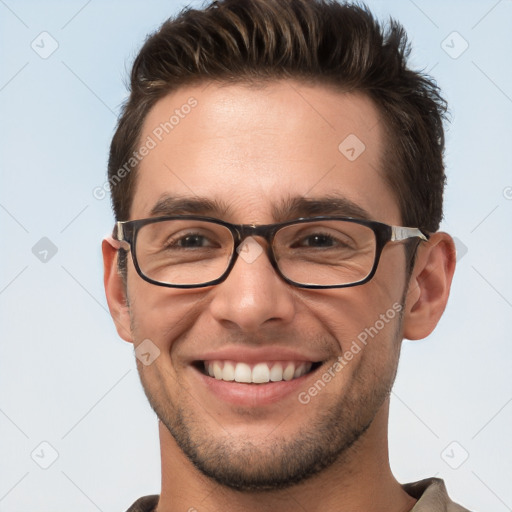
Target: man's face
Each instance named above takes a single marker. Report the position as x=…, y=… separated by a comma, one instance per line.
x=251, y=151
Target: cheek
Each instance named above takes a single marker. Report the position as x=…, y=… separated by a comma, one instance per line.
x=358, y=313
x=161, y=314
x=365, y=322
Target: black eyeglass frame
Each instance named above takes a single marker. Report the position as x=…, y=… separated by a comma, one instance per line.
x=125, y=233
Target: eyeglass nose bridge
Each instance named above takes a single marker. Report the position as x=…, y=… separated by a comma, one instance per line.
x=265, y=231
x=245, y=231
x=242, y=232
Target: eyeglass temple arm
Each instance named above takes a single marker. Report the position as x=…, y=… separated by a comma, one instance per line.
x=117, y=239
x=400, y=233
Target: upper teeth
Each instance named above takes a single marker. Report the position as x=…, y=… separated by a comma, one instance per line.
x=258, y=373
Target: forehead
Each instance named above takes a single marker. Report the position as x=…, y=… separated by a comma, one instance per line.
x=252, y=150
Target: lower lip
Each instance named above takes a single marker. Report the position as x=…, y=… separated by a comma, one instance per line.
x=253, y=395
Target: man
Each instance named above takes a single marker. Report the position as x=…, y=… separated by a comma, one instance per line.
x=262, y=172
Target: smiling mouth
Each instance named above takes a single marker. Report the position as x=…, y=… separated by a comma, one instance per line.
x=256, y=373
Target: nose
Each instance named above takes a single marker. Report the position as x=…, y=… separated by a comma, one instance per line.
x=253, y=295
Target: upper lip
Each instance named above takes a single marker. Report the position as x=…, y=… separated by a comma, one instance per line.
x=255, y=355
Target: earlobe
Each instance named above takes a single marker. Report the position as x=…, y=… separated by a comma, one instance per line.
x=429, y=286
x=115, y=290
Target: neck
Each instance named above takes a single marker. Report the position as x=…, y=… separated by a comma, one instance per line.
x=360, y=480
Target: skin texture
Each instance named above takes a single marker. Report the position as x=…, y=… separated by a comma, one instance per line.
x=251, y=149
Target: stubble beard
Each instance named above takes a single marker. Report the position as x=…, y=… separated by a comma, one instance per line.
x=283, y=462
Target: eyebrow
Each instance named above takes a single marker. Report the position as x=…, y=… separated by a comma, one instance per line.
x=169, y=205
x=290, y=208
x=299, y=206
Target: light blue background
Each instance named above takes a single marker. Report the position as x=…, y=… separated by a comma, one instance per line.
x=65, y=376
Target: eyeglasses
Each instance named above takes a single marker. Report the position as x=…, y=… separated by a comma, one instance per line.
x=188, y=251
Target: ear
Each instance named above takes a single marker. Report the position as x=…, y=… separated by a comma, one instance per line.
x=429, y=286
x=115, y=289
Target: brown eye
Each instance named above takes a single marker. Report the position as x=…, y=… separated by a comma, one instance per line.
x=191, y=240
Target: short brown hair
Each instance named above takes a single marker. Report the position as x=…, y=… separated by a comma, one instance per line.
x=316, y=41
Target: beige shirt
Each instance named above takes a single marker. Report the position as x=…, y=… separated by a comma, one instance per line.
x=430, y=493
x=432, y=496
